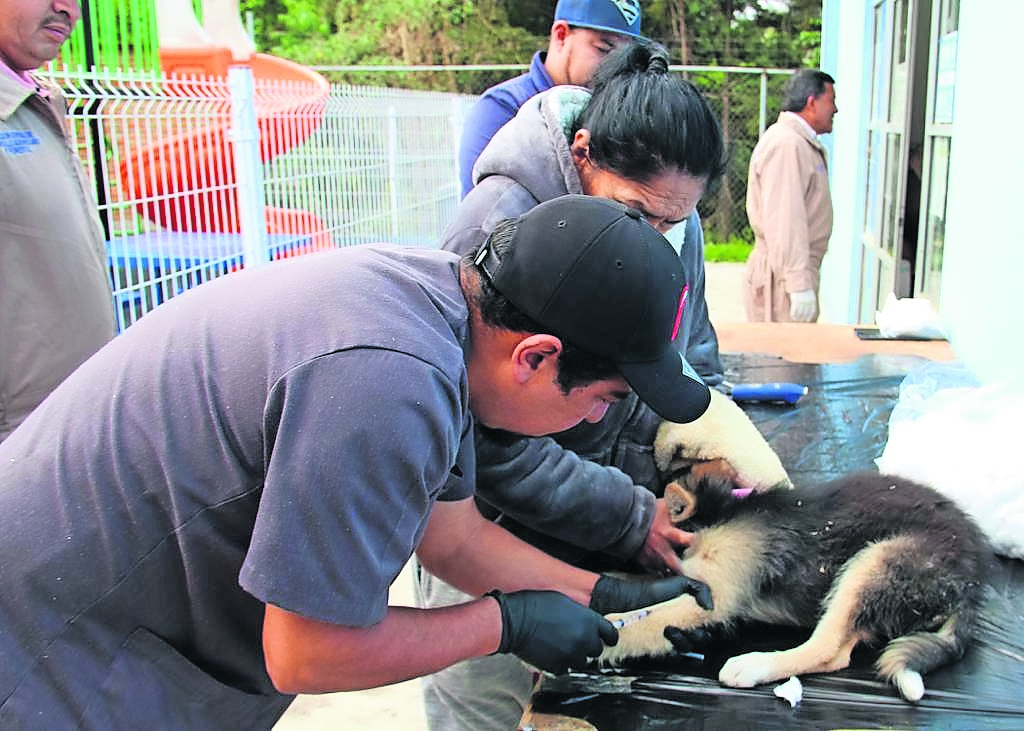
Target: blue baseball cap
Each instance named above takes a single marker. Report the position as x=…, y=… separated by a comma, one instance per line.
x=614, y=16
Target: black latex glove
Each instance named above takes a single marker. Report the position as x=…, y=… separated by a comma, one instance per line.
x=612, y=594
x=550, y=631
x=687, y=640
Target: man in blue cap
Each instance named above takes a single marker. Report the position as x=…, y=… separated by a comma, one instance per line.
x=583, y=33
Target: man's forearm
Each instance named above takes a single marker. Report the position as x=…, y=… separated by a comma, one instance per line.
x=307, y=656
x=477, y=556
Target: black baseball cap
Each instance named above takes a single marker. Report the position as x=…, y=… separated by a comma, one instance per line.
x=598, y=275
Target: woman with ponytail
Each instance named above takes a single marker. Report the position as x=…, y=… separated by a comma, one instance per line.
x=646, y=138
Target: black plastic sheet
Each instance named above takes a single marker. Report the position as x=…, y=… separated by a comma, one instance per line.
x=840, y=426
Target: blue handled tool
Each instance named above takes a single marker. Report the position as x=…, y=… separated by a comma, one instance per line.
x=787, y=393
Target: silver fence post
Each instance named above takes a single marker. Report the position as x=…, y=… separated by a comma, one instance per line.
x=458, y=115
x=762, y=122
x=245, y=141
x=393, y=170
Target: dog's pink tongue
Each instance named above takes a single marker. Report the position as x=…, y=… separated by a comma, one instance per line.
x=742, y=492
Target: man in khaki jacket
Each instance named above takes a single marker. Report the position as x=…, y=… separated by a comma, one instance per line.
x=789, y=205
x=56, y=308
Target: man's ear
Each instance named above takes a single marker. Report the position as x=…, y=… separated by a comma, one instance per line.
x=559, y=31
x=533, y=354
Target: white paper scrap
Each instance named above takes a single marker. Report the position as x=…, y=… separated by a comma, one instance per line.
x=791, y=691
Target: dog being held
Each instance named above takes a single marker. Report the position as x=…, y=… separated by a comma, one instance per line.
x=867, y=558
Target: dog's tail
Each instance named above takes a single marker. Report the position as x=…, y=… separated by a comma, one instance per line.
x=907, y=658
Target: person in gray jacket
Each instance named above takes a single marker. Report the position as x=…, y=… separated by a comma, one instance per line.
x=589, y=495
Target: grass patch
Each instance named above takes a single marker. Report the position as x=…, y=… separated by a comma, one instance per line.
x=734, y=250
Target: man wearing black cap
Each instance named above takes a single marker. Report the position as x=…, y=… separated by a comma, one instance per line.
x=206, y=516
x=582, y=34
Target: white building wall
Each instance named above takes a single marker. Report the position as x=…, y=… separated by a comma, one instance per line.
x=846, y=55
x=982, y=297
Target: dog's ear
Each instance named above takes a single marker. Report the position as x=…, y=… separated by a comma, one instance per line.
x=681, y=503
x=701, y=498
x=673, y=461
x=712, y=470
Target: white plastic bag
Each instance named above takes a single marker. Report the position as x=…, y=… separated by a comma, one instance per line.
x=963, y=439
x=909, y=317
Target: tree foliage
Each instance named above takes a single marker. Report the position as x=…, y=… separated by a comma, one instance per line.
x=757, y=34
x=396, y=32
x=773, y=34
x=760, y=33
x=766, y=33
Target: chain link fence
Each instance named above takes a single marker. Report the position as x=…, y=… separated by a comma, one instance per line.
x=745, y=99
x=746, y=102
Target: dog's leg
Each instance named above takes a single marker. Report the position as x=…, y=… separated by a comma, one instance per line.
x=723, y=557
x=835, y=635
x=933, y=583
x=646, y=635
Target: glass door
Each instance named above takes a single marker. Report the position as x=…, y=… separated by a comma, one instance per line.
x=882, y=266
x=938, y=140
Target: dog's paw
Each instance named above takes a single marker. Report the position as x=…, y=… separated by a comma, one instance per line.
x=644, y=637
x=746, y=671
x=910, y=685
x=724, y=432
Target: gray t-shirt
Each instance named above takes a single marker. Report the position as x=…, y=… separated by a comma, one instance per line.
x=278, y=435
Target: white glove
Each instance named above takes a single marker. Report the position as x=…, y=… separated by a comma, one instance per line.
x=803, y=306
x=723, y=432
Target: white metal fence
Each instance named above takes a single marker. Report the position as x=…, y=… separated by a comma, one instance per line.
x=196, y=177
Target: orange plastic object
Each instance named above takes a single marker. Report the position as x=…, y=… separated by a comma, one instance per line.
x=184, y=179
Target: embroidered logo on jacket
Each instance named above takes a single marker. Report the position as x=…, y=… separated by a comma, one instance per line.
x=18, y=142
x=679, y=312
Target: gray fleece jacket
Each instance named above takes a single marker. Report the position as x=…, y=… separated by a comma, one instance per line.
x=585, y=495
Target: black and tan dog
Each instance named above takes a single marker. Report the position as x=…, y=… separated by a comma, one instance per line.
x=864, y=559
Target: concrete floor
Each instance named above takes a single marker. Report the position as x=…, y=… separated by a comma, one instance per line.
x=724, y=292
x=399, y=707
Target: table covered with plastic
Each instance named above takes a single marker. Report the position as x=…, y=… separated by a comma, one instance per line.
x=840, y=426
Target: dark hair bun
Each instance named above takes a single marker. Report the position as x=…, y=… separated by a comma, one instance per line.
x=641, y=56
x=658, y=64
x=643, y=119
